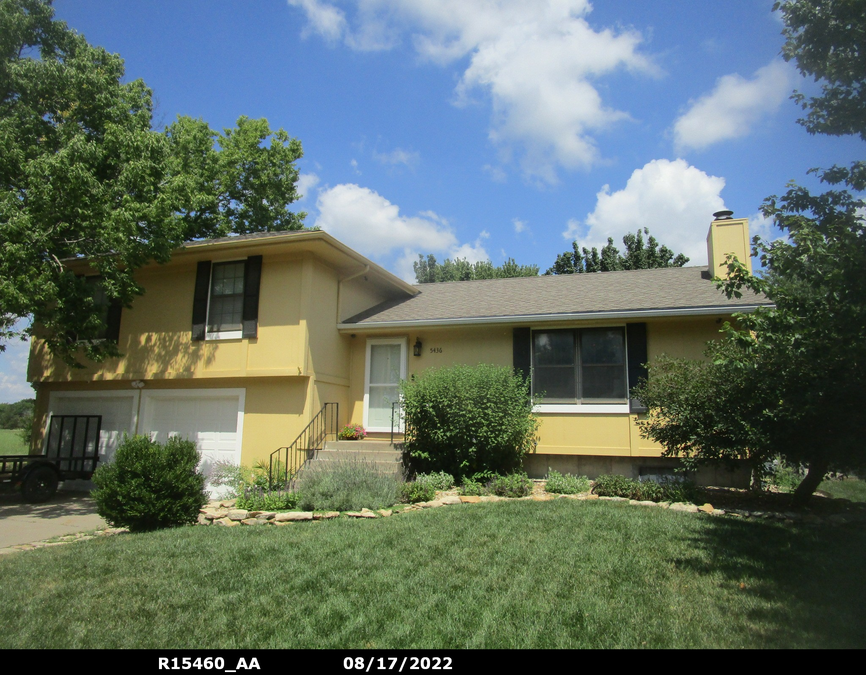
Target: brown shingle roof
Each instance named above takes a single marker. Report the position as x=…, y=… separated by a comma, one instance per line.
x=660, y=292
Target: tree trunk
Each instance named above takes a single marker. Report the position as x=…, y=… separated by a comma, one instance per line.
x=757, y=477
x=817, y=471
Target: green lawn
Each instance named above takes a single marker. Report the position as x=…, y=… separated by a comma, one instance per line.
x=849, y=488
x=11, y=443
x=559, y=574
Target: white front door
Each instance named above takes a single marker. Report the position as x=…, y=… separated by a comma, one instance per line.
x=386, y=367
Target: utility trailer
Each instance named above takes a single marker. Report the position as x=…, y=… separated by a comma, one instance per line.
x=71, y=451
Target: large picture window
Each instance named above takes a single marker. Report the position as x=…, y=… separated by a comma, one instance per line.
x=585, y=365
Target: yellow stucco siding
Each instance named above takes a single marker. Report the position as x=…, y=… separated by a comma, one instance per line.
x=155, y=334
x=583, y=433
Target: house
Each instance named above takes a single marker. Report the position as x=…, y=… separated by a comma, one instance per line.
x=238, y=342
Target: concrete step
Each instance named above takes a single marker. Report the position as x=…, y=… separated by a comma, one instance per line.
x=359, y=446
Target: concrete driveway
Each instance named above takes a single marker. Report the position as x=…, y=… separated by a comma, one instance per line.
x=65, y=514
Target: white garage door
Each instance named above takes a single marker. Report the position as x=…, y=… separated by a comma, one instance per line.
x=213, y=418
x=117, y=408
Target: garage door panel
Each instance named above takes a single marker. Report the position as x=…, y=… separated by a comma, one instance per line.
x=209, y=419
x=118, y=416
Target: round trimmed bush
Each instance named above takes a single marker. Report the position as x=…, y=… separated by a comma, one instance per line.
x=150, y=486
x=468, y=419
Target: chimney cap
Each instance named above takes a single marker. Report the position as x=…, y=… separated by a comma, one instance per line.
x=723, y=215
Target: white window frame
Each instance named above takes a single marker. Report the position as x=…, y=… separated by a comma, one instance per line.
x=404, y=352
x=583, y=407
x=229, y=334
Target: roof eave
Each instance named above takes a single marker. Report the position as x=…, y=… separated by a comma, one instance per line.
x=545, y=318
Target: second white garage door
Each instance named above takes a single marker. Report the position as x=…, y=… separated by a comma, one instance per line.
x=213, y=418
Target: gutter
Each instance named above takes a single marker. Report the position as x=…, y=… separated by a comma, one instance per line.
x=538, y=318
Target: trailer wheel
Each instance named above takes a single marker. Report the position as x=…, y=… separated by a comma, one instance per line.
x=40, y=485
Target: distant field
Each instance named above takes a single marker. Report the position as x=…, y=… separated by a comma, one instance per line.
x=11, y=443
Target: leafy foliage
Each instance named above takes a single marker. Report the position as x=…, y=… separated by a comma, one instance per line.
x=17, y=415
x=513, y=485
x=254, y=498
x=417, y=491
x=150, y=486
x=346, y=485
x=566, y=484
x=84, y=176
x=637, y=256
x=466, y=419
x=473, y=488
x=439, y=480
x=428, y=270
x=826, y=38
x=651, y=491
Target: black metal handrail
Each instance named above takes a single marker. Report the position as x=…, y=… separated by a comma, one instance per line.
x=304, y=447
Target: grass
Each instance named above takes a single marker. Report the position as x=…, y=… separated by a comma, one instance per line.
x=11, y=442
x=558, y=574
x=847, y=488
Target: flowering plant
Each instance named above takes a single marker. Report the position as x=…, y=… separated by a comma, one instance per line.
x=352, y=432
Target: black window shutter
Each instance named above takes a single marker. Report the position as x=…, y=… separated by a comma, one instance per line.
x=252, y=281
x=199, y=303
x=523, y=351
x=112, y=330
x=637, y=357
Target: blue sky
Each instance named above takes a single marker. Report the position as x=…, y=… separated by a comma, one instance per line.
x=490, y=128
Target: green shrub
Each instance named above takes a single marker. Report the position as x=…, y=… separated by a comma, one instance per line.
x=615, y=486
x=671, y=490
x=255, y=498
x=566, y=484
x=467, y=419
x=439, y=480
x=512, y=485
x=473, y=488
x=784, y=475
x=416, y=491
x=149, y=486
x=346, y=485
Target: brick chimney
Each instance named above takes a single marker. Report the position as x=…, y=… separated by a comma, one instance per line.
x=727, y=235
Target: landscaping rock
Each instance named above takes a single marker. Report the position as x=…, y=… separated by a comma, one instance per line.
x=215, y=514
x=542, y=497
x=469, y=499
x=361, y=514
x=679, y=506
x=266, y=515
x=202, y=520
x=450, y=500
x=253, y=521
x=385, y=512
x=326, y=516
x=226, y=522
x=706, y=508
x=614, y=499
x=228, y=503
x=237, y=514
x=291, y=516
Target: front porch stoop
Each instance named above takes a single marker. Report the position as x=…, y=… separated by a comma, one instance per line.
x=381, y=454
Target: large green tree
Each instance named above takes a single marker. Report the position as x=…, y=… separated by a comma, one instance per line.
x=84, y=175
x=794, y=374
x=428, y=270
x=638, y=255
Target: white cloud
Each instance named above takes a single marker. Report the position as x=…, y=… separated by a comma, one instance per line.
x=324, y=19
x=519, y=225
x=733, y=107
x=306, y=183
x=497, y=173
x=398, y=156
x=536, y=62
x=354, y=164
x=671, y=198
x=373, y=226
